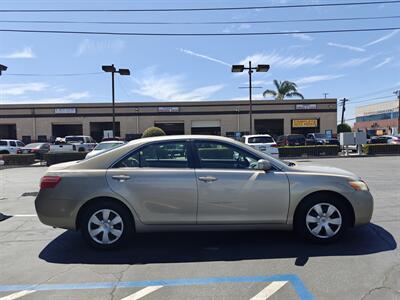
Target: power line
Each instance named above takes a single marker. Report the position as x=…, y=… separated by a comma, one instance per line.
x=51, y=75
x=371, y=99
x=198, y=23
x=374, y=93
x=199, y=34
x=200, y=9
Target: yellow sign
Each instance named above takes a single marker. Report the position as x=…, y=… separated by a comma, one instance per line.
x=305, y=123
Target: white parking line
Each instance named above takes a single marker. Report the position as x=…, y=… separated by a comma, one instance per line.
x=143, y=292
x=18, y=295
x=24, y=216
x=269, y=290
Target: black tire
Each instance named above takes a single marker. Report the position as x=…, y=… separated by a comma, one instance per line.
x=304, y=230
x=4, y=152
x=116, y=208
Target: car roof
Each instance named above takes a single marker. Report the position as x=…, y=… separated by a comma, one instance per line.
x=10, y=140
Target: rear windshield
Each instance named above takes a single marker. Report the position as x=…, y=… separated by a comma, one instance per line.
x=3, y=143
x=33, y=145
x=295, y=138
x=260, y=140
x=74, y=139
x=320, y=136
x=107, y=146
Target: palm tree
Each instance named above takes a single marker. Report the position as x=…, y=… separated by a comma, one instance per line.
x=283, y=89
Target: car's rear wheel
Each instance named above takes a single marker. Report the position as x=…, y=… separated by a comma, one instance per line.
x=322, y=219
x=106, y=225
x=4, y=152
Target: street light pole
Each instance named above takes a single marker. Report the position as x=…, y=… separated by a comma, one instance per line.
x=111, y=69
x=250, y=99
x=259, y=68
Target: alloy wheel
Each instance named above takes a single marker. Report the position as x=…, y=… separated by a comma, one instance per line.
x=324, y=220
x=105, y=226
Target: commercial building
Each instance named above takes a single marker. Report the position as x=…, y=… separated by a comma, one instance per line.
x=42, y=122
x=378, y=119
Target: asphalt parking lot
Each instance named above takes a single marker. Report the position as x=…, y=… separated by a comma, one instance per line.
x=39, y=262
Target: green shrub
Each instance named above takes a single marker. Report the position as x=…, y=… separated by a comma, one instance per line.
x=153, y=131
x=319, y=150
x=343, y=128
x=60, y=157
x=17, y=159
x=372, y=149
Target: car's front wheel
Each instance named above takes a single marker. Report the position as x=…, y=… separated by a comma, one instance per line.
x=106, y=224
x=322, y=219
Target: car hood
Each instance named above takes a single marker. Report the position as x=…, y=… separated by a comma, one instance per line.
x=324, y=170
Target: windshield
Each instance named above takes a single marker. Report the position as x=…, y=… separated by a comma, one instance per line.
x=104, y=146
x=260, y=140
x=74, y=139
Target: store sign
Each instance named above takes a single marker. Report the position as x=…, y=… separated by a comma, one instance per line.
x=65, y=110
x=305, y=123
x=168, y=109
x=306, y=106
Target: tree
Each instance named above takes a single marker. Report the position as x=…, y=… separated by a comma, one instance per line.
x=153, y=131
x=283, y=89
x=343, y=128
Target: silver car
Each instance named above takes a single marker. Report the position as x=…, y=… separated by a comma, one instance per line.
x=198, y=183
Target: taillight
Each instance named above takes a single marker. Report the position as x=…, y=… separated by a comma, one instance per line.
x=274, y=145
x=49, y=182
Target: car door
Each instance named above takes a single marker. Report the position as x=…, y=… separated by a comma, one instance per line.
x=232, y=191
x=13, y=147
x=159, y=181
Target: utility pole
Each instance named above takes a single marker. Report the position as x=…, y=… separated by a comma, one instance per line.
x=325, y=94
x=397, y=93
x=343, y=104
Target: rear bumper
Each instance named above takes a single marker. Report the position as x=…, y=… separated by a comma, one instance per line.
x=55, y=212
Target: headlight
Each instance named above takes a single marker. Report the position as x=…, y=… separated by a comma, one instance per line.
x=359, y=185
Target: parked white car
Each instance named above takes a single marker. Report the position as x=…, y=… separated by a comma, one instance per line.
x=104, y=147
x=262, y=142
x=10, y=146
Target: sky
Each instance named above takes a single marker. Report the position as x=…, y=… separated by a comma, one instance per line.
x=361, y=66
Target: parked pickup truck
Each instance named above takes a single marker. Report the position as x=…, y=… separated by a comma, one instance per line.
x=72, y=143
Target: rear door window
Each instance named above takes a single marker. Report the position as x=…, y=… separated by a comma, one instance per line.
x=12, y=144
x=160, y=155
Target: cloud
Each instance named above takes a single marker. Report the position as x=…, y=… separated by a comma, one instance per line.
x=282, y=61
x=384, y=62
x=88, y=46
x=316, y=78
x=24, y=53
x=171, y=87
x=383, y=38
x=355, y=62
x=70, y=98
x=205, y=57
x=348, y=47
x=302, y=36
x=18, y=89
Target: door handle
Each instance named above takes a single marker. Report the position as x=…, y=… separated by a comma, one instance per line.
x=121, y=178
x=207, y=178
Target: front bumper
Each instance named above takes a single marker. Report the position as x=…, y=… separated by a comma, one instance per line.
x=363, y=205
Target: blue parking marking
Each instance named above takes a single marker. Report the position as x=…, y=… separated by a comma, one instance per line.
x=298, y=285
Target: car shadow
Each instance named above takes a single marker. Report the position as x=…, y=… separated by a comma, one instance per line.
x=70, y=248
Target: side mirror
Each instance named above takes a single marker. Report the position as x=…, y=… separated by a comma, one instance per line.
x=264, y=164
